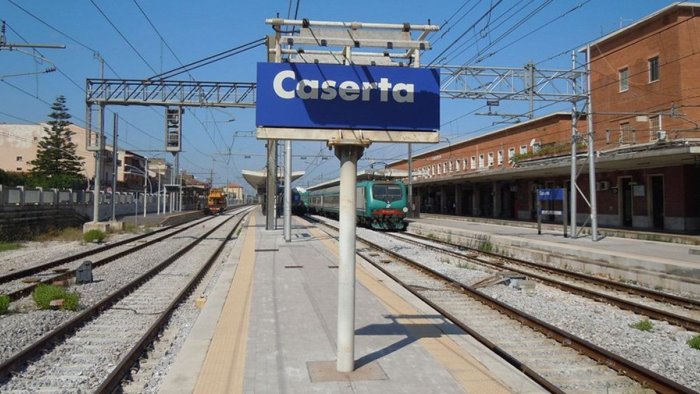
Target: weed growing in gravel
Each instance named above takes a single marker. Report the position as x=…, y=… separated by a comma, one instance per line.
x=94, y=236
x=486, y=246
x=694, y=342
x=4, y=246
x=465, y=266
x=67, y=234
x=643, y=325
x=44, y=294
x=4, y=303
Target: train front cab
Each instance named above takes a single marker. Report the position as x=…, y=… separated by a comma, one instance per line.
x=385, y=205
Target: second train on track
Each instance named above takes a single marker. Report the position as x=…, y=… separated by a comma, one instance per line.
x=381, y=205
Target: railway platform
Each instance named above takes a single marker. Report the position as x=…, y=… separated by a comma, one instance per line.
x=673, y=263
x=269, y=325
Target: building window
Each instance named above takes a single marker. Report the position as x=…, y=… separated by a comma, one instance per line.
x=654, y=127
x=624, y=79
x=523, y=149
x=490, y=159
x=456, y=165
x=500, y=157
x=449, y=166
x=511, y=154
x=19, y=158
x=464, y=164
x=481, y=161
x=439, y=166
x=654, y=69
x=19, y=168
x=473, y=163
x=626, y=133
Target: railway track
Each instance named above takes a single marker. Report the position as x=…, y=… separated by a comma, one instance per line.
x=556, y=359
x=96, y=349
x=677, y=310
x=16, y=284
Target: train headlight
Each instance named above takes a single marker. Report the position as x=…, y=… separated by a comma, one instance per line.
x=405, y=209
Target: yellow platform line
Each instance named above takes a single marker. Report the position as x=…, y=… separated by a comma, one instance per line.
x=224, y=366
x=471, y=374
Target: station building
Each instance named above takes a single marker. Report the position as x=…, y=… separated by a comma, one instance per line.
x=645, y=98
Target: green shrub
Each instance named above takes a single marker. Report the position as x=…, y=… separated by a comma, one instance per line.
x=44, y=294
x=694, y=342
x=643, y=325
x=94, y=236
x=4, y=303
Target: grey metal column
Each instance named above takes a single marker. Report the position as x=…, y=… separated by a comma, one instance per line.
x=271, y=187
x=98, y=166
x=115, y=136
x=410, y=181
x=288, y=191
x=574, y=141
x=591, y=153
x=348, y=155
x=145, y=188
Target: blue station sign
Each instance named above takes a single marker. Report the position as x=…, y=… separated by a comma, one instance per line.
x=550, y=194
x=331, y=96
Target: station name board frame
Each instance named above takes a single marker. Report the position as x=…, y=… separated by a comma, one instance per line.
x=347, y=102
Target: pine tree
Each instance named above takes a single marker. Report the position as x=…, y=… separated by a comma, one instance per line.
x=57, y=164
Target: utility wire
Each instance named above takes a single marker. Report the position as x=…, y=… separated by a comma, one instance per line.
x=122, y=36
x=472, y=26
x=94, y=51
x=209, y=59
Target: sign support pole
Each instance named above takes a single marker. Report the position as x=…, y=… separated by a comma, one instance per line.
x=288, y=191
x=271, y=184
x=348, y=155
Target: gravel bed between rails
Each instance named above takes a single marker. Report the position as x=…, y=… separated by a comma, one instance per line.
x=663, y=349
x=21, y=329
x=130, y=317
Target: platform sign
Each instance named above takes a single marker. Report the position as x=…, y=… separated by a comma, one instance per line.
x=350, y=97
x=557, y=194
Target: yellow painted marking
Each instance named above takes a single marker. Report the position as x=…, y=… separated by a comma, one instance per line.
x=224, y=366
x=468, y=371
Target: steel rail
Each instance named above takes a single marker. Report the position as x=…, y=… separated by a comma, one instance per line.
x=122, y=369
x=14, y=275
x=637, y=372
x=17, y=294
x=49, y=340
x=655, y=313
x=654, y=294
x=641, y=291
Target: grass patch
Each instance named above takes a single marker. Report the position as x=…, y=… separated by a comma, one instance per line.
x=694, y=342
x=5, y=246
x=4, y=303
x=44, y=294
x=66, y=234
x=486, y=246
x=643, y=325
x=465, y=266
x=94, y=236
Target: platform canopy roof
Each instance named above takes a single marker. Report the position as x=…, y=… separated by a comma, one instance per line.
x=258, y=179
x=383, y=174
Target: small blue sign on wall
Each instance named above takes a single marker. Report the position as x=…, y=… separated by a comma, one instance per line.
x=550, y=194
x=331, y=96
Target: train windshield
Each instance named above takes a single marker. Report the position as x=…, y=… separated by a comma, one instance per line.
x=386, y=192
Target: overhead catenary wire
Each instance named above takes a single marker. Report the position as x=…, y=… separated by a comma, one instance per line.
x=123, y=36
x=209, y=59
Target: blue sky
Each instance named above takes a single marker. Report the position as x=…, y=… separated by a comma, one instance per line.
x=196, y=29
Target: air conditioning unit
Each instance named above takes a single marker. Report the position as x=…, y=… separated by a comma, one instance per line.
x=602, y=185
x=661, y=135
